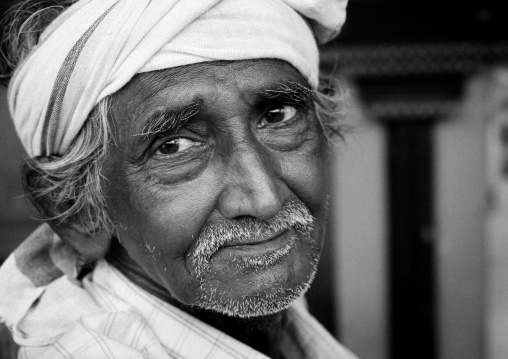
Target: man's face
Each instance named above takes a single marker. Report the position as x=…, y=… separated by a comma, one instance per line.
x=217, y=183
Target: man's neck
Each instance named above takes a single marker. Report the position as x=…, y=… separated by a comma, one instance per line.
x=260, y=333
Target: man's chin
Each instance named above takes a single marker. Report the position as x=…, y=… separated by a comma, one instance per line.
x=268, y=301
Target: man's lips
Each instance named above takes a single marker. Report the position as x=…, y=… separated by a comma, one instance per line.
x=255, y=240
x=262, y=252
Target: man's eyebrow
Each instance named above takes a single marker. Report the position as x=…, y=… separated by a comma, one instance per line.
x=168, y=120
x=288, y=91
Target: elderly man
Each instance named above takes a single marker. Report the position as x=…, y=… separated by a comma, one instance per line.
x=178, y=155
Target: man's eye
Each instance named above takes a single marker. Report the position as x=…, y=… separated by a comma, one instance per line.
x=280, y=114
x=176, y=145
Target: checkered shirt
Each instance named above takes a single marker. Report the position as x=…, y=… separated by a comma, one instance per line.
x=107, y=316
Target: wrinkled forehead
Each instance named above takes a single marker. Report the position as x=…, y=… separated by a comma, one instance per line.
x=215, y=71
x=179, y=85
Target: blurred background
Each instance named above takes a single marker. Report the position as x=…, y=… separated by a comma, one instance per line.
x=416, y=263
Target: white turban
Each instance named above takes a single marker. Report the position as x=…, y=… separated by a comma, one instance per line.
x=96, y=46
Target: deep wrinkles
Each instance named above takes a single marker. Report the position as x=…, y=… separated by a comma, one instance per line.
x=214, y=236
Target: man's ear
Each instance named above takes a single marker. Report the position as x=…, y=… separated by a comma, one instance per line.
x=88, y=246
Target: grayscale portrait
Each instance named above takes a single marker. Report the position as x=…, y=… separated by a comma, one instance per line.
x=178, y=157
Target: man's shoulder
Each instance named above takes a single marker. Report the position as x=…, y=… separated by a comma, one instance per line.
x=305, y=337
x=71, y=319
x=106, y=315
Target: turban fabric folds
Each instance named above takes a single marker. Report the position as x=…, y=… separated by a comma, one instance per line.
x=96, y=46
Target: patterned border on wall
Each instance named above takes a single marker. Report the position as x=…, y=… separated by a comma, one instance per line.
x=411, y=110
x=384, y=65
x=412, y=59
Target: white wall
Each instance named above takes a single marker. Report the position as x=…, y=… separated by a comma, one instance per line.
x=361, y=270
x=460, y=208
x=460, y=214
x=496, y=246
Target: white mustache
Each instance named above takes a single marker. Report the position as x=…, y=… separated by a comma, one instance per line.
x=244, y=230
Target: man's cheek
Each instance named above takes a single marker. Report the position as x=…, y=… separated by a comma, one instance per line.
x=308, y=179
x=164, y=262
x=175, y=277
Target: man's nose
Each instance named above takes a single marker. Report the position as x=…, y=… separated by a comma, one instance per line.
x=252, y=186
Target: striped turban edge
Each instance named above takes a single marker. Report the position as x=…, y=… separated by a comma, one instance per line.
x=96, y=46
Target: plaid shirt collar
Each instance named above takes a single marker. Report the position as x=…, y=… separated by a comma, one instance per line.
x=107, y=316
x=302, y=337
